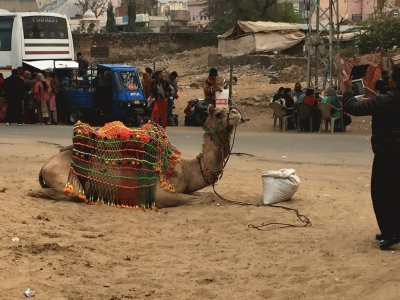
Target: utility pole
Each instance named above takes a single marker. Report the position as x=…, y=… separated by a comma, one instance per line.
x=321, y=21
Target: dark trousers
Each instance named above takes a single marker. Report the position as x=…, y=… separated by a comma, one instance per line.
x=14, y=111
x=385, y=192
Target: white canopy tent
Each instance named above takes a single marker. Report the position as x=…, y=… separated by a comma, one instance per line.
x=248, y=37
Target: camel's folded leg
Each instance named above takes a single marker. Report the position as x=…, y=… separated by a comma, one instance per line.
x=50, y=193
x=167, y=199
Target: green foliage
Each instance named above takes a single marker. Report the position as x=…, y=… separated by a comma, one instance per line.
x=111, y=26
x=349, y=51
x=225, y=13
x=379, y=34
x=131, y=16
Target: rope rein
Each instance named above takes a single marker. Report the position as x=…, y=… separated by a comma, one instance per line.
x=303, y=219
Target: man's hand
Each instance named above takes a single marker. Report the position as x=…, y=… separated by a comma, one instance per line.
x=345, y=87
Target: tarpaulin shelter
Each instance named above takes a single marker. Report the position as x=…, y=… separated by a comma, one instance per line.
x=368, y=67
x=248, y=37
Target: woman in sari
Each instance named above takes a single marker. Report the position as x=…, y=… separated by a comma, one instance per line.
x=41, y=92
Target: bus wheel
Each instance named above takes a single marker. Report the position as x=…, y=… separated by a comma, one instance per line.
x=73, y=116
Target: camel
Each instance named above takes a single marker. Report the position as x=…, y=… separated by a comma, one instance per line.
x=187, y=177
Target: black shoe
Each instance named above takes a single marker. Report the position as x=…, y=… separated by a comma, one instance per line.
x=379, y=236
x=388, y=242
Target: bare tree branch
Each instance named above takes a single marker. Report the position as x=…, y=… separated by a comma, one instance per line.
x=98, y=7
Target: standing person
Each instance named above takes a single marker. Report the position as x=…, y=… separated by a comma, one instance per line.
x=83, y=65
x=29, y=101
x=53, y=91
x=41, y=92
x=146, y=82
x=172, y=94
x=160, y=105
x=211, y=85
x=14, y=93
x=385, y=140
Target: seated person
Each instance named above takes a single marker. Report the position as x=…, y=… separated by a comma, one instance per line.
x=278, y=97
x=298, y=93
x=310, y=100
x=289, y=106
x=331, y=98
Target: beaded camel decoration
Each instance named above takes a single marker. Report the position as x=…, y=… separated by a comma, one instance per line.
x=119, y=166
x=172, y=177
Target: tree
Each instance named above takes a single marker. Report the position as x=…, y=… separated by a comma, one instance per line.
x=379, y=34
x=98, y=7
x=147, y=7
x=111, y=26
x=131, y=15
x=225, y=13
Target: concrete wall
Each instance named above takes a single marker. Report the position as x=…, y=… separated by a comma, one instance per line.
x=125, y=47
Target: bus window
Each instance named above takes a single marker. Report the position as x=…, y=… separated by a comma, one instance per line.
x=6, y=24
x=45, y=27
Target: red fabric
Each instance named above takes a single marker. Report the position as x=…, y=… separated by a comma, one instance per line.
x=310, y=100
x=159, y=112
x=1, y=81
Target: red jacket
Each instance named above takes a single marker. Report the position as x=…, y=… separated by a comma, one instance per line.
x=41, y=93
x=310, y=100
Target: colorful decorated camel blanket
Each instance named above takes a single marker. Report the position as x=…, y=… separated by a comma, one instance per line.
x=118, y=166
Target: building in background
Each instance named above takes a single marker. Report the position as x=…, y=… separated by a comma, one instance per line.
x=19, y=5
x=196, y=10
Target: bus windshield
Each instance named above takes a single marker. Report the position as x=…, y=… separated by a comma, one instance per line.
x=6, y=24
x=45, y=27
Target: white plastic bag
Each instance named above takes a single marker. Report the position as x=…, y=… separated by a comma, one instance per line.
x=279, y=185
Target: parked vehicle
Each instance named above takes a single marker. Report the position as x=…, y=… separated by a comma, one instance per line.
x=105, y=93
x=33, y=36
x=196, y=111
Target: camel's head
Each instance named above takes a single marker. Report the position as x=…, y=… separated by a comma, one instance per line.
x=220, y=119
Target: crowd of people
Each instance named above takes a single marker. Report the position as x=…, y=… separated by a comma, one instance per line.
x=30, y=100
x=161, y=90
x=292, y=100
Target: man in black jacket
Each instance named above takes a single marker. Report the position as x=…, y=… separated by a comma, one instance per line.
x=385, y=140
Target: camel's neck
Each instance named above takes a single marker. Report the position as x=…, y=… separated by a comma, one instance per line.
x=205, y=168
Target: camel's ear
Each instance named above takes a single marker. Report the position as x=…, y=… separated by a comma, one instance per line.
x=211, y=109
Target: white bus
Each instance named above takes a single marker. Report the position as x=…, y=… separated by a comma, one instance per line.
x=28, y=37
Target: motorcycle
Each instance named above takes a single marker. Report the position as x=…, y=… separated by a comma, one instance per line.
x=196, y=111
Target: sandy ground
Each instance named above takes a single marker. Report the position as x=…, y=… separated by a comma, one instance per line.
x=203, y=251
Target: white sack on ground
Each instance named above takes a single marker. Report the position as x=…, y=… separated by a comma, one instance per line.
x=279, y=185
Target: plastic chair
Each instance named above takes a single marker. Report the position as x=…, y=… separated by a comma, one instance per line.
x=280, y=113
x=304, y=112
x=325, y=109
